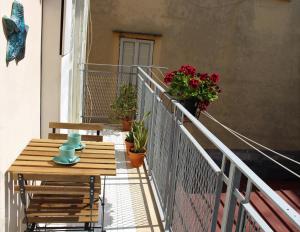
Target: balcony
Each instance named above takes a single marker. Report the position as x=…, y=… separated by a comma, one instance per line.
x=182, y=187
x=192, y=178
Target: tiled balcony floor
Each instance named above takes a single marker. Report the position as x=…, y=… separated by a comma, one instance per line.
x=128, y=202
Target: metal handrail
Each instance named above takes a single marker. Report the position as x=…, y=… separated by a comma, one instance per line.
x=122, y=65
x=254, y=179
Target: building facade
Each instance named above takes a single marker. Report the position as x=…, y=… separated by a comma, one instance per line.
x=254, y=45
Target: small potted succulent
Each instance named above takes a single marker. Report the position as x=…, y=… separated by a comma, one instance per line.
x=124, y=107
x=194, y=90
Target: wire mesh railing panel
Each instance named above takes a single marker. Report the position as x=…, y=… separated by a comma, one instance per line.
x=148, y=103
x=100, y=91
x=149, y=108
x=196, y=189
x=101, y=86
x=162, y=150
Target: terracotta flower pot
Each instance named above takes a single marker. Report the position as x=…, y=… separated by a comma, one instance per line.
x=137, y=159
x=128, y=146
x=126, y=124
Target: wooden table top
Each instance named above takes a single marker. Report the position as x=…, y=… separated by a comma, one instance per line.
x=98, y=158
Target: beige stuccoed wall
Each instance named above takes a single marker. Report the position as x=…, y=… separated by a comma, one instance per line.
x=20, y=105
x=254, y=45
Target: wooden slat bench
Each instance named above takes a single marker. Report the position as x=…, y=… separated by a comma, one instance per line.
x=97, y=127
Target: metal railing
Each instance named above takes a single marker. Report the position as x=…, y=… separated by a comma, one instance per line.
x=187, y=181
x=101, y=84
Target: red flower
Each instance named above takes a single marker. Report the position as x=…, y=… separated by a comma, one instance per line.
x=194, y=83
x=187, y=70
x=214, y=77
x=169, y=77
x=203, y=76
x=203, y=105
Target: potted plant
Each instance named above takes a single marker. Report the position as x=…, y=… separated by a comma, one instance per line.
x=129, y=140
x=124, y=107
x=194, y=90
x=137, y=153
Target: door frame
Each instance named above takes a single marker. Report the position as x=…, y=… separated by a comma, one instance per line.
x=80, y=27
x=136, y=49
x=156, y=38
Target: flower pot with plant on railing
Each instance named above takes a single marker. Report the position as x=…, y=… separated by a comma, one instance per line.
x=140, y=135
x=124, y=107
x=195, y=91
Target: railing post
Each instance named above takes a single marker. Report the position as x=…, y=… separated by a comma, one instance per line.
x=218, y=195
x=230, y=201
x=217, y=202
x=241, y=214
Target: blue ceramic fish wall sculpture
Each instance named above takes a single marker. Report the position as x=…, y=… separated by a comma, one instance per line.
x=15, y=31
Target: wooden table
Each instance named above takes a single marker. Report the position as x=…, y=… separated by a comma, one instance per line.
x=35, y=163
x=98, y=158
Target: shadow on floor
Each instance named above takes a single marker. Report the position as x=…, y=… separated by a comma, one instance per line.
x=130, y=206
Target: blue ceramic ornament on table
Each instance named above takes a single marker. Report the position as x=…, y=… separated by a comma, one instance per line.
x=15, y=31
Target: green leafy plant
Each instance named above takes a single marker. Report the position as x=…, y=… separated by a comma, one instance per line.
x=129, y=137
x=124, y=107
x=140, y=134
x=135, y=126
x=140, y=139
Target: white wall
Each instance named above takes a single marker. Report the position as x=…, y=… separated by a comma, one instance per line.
x=51, y=66
x=66, y=61
x=66, y=73
x=19, y=103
